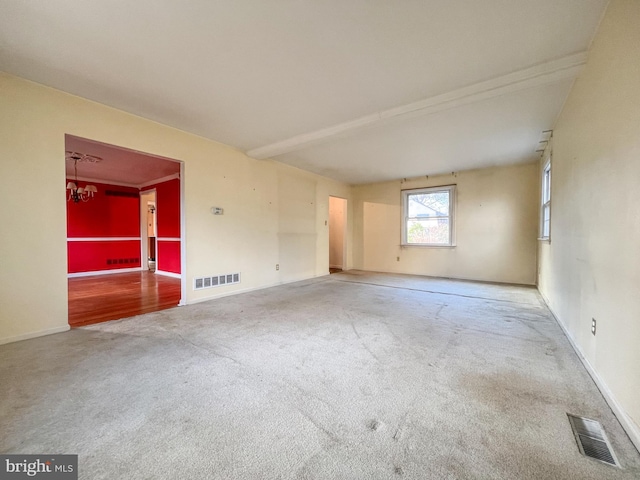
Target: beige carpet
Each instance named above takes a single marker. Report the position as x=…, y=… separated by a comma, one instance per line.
x=350, y=376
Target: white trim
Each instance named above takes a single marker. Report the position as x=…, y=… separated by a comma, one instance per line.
x=104, y=272
x=629, y=426
x=39, y=333
x=449, y=277
x=124, y=184
x=425, y=245
x=537, y=75
x=183, y=245
x=159, y=180
x=251, y=289
x=102, y=181
x=168, y=239
x=102, y=239
x=451, y=217
x=545, y=191
x=168, y=274
x=345, y=232
x=144, y=230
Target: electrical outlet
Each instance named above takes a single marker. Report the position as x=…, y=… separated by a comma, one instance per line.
x=593, y=326
x=277, y=266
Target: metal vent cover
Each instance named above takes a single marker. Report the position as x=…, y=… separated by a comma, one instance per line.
x=216, y=280
x=592, y=441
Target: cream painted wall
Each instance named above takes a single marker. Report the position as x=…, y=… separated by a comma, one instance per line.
x=337, y=219
x=273, y=214
x=496, y=218
x=591, y=267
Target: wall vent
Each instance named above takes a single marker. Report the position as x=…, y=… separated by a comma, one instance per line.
x=215, y=281
x=592, y=441
x=118, y=193
x=120, y=261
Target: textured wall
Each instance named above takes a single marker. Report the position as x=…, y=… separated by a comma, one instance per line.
x=262, y=200
x=496, y=227
x=591, y=267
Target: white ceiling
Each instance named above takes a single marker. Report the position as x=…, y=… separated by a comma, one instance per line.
x=359, y=90
x=117, y=165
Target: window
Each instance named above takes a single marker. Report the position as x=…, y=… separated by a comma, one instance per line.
x=428, y=216
x=545, y=210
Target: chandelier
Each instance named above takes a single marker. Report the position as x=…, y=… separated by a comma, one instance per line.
x=77, y=193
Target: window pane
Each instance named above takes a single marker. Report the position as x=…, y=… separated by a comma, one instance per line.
x=546, y=186
x=430, y=231
x=428, y=204
x=546, y=213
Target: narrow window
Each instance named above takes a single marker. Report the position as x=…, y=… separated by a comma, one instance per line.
x=428, y=216
x=545, y=210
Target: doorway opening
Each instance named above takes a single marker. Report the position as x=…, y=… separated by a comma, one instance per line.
x=125, y=241
x=337, y=234
x=148, y=229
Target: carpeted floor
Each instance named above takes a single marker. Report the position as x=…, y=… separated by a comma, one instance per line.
x=350, y=376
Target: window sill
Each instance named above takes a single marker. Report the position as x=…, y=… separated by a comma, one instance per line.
x=545, y=239
x=414, y=245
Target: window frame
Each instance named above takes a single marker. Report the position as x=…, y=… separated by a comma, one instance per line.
x=451, y=217
x=545, y=199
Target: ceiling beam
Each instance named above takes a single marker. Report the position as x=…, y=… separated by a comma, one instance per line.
x=538, y=75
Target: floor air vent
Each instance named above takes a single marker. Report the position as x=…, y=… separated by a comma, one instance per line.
x=215, y=281
x=592, y=441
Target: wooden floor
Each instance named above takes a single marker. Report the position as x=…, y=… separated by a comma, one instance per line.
x=109, y=297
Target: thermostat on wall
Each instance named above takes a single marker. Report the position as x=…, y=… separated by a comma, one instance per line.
x=217, y=210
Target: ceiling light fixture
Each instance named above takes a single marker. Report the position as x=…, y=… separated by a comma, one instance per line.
x=76, y=193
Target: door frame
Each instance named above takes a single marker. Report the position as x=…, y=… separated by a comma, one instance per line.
x=344, y=231
x=144, y=236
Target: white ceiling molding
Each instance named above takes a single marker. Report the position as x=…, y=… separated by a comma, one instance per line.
x=124, y=184
x=103, y=181
x=159, y=180
x=542, y=74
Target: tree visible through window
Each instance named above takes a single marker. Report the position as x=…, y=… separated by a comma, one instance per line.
x=428, y=216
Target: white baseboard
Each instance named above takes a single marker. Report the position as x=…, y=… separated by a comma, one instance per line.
x=252, y=289
x=629, y=426
x=168, y=274
x=39, y=333
x=104, y=272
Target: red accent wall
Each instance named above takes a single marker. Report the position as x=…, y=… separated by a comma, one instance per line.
x=168, y=225
x=113, y=212
x=169, y=256
x=103, y=255
x=168, y=204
